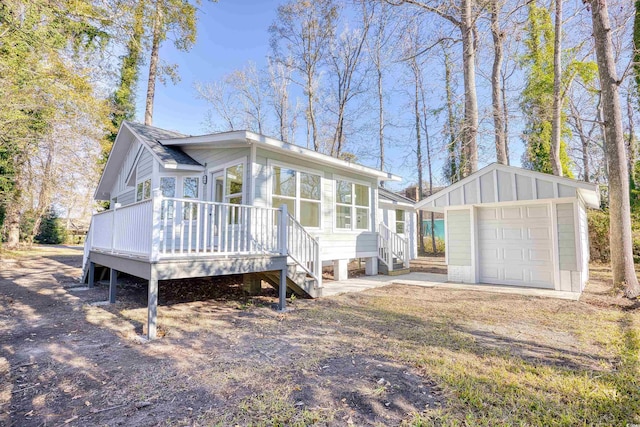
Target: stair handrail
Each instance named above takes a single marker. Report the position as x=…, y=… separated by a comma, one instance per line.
x=392, y=245
x=309, y=262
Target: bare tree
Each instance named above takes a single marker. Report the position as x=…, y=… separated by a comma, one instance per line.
x=462, y=16
x=278, y=97
x=301, y=33
x=496, y=86
x=223, y=103
x=619, y=203
x=345, y=62
x=381, y=34
x=250, y=89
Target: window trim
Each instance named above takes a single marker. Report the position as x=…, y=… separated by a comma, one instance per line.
x=297, y=199
x=353, y=206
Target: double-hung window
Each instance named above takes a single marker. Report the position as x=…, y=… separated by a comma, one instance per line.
x=352, y=206
x=400, y=221
x=143, y=190
x=300, y=191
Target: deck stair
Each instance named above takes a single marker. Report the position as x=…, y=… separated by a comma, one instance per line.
x=298, y=281
x=393, y=252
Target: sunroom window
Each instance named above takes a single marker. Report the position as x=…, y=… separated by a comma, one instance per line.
x=300, y=191
x=352, y=206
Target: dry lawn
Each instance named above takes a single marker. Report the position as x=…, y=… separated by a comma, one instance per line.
x=397, y=355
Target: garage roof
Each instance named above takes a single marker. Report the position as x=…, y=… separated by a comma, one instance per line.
x=499, y=183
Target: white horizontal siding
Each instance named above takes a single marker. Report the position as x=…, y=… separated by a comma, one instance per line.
x=458, y=245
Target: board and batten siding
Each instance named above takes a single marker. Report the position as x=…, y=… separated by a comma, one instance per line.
x=335, y=244
x=145, y=166
x=120, y=190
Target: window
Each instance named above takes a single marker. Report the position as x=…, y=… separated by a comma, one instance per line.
x=352, y=201
x=300, y=191
x=400, y=221
x=143, y=190
x=168, y=189
x=233, y=184
x=190, y=190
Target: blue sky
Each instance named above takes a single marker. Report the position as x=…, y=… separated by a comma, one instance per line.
x=232, y=33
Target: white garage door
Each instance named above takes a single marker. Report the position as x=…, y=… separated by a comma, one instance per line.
x=515, y=246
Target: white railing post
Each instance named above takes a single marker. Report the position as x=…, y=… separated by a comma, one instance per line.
x=113, y=226
x=283, y=229
x=156, y=209
x=406, y=253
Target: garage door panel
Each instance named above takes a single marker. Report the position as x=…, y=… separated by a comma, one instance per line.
x=516, y=247
x=488, y=213
x=511, y=213
x=539, y=233
x=511, y=233
x=513, y=254
x=514, y=273
x=537, y=212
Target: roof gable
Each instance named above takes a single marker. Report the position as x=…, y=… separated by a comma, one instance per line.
x=500, y=183
x=149, y=139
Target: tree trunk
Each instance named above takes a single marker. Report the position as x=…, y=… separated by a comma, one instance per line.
x=496, y=98
x=380, y=116
x=556, y=165
x=619, y=204
x=153, y=63
x=453, y=172
x=470, y=132
x=416, y=71
x=632, y=148
x=503, y=89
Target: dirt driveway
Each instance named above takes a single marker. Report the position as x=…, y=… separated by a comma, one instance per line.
x=230, y=360
x=390, y=356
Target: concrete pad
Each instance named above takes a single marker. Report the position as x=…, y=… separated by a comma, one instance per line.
x=433, y=280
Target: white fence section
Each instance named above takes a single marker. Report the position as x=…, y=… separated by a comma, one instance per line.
x=102, y=226
x=304, y=249
x=132, y=228
x=392, y=246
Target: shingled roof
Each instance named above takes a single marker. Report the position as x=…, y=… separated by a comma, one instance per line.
x=151, y=136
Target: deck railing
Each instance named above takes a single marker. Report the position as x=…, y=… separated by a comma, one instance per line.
x=188, y=227
x=168, y=227
x=392, y=246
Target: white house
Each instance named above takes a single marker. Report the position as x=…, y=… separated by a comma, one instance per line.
x=511, y=226
x=239, y=202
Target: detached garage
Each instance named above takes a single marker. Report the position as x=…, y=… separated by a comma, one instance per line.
x=510, y=226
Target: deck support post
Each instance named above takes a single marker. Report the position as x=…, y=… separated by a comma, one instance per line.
x=371, y=266
x=251, y=284
x=152, y=305
x=113, y=284
x=92, y=274
x=340, y=269
x=282, y=291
